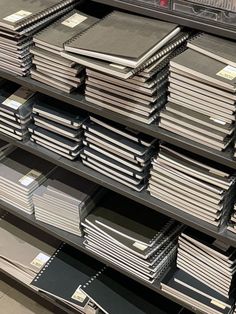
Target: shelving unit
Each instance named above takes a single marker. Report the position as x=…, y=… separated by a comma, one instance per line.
x=174, y=17
x=78, y=100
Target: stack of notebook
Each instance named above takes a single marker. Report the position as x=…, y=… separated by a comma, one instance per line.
x=122, y=46
x=21, y=173
x=56, y=128
x=202, y=90
x=50, y=67
x=15, y=110
x=192, y=186
x=143, y=245
x=65, y=199
x=117, y=152
x=19, y=20
x=206, y=274
x=232, y=223
x=23, y=254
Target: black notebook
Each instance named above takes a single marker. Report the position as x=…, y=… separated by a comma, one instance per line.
x=65, y=272
x=218, y=48
x=112, y=39
x=114, y=293
x=58, y=33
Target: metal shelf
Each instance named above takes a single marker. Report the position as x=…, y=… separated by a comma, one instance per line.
x=174, y=17
x=77, y=100
x=143, y=197
x=77, y=242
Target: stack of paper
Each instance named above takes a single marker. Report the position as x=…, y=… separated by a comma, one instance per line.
x=65, y=199
x=21, y=173
x=142, y=244
x=23, y=255
x=127, y=58
x=19, y=20
x=51, y=68
x=56, y=128
x=117, y=152
x=202, y=90
x=218, y=258
x=232, y=223
x=192, y=186
x=15, y=110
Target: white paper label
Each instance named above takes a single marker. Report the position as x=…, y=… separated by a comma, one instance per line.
x=17, y=16
x=30, y=177
x=218, y=303
x=12, y=103
x=74, y=20
x=140, y=246
x=117, y=66
x=218, y=121
x=40, y=260
x=79, y=295
x=228, y=73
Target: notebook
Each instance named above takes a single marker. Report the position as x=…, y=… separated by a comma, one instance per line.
x=218, y=48
x=107, y=40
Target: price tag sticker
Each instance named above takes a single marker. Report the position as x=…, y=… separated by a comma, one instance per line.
x=228, y=73
x=40, y=260
x=218, y=121
x=117, y=66
x=17, y=16
x=74, y=20
x=30, y=177
x=12, y=104
x=79, y=295
x=218, y=303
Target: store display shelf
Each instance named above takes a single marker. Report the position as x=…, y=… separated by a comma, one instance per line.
x=143, y=197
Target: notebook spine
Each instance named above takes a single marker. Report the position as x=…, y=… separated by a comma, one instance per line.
x=48, y=263
x=31, y=19
x=163, y=230
x=195, y=36
x=94, y=277
x=161, y=53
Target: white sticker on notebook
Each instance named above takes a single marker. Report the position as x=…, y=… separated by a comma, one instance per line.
x=79, y=295
x=30, y=177
x=218, y=303
x=117, y=66
x=228, y=73
x=40, y=260
x=140, y=246
x=218, y=121
x=74, y=20
x=17, y=16
x=12, y=104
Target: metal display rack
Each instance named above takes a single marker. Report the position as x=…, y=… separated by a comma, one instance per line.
x=77, y=167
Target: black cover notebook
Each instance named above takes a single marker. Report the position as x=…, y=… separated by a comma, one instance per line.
x=123, y=38
x=64, y=29
x=114, y=293
x=65, y=272
x=218, y=48
x=216, y=73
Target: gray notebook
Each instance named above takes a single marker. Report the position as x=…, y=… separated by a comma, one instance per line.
x=64, y=29
x=215, y=47
x=112, y=39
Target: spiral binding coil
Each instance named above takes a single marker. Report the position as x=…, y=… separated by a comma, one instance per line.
x=33, y=18
x=94, y=277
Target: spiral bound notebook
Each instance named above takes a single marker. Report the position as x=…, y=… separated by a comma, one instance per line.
x=112, y=39
x=56, y=34
x=114, y=293
x=215, y=47
x=65, y=272
x=18, y=14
